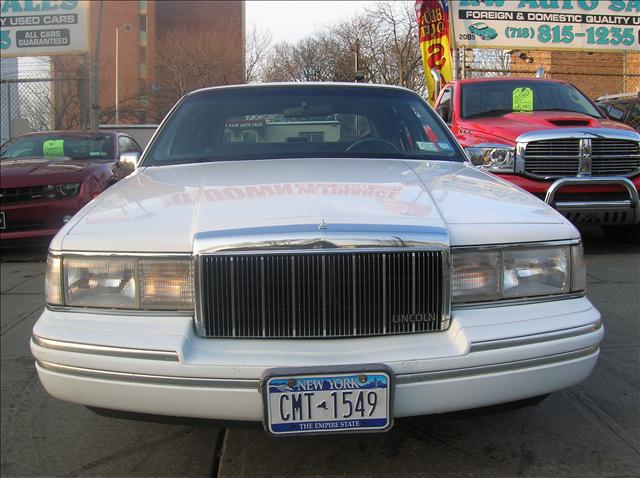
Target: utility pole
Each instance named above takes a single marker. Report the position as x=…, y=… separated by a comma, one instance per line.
x=94, y=118
x=358, y=75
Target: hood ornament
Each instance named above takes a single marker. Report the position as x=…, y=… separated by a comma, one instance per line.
x=322, y=225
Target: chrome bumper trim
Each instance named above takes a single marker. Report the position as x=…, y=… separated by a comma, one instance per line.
x=251, y=384
x=163, y=355
x=513, y=302
x=535, y=338
x=589, y=181
x=593, y=205
x=149, y=379
x=495, y=368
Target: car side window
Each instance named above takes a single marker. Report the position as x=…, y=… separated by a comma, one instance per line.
x=616, y=111
x=444, y=107
x=634, y=115
x=128, y=145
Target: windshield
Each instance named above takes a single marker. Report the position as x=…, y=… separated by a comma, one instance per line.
x=98, y=146
x=301, y=121
x=496, y=98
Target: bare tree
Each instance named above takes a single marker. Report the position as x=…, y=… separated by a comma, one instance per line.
x=489, y=62
x=384, y=38
x=188, y=59
x=258, y=45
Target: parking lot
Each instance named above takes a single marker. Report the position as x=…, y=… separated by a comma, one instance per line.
x=592, y=429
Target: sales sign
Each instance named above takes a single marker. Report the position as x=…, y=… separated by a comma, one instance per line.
x=44, y=28
x=599, y=25
x=433, y=30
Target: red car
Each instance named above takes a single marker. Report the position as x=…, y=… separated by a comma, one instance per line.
x=548, y=138
x=45, y=178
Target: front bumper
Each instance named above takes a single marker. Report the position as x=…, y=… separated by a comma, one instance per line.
x=38, y=218
x=602, y=200
x=158, y=365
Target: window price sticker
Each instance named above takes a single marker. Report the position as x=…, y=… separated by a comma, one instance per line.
x=522, y=99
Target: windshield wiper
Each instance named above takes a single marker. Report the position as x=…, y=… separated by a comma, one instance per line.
x=495, y=112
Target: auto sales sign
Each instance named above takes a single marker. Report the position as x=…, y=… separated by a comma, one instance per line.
x=600, y=25
x=44, y=27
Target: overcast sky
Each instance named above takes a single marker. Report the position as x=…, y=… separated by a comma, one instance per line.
x=292, y=20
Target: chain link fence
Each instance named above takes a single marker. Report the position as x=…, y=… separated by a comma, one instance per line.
x=43, y=104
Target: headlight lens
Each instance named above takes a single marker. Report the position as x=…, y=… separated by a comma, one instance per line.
x=53, y=281
x=56, y=191
x=120, y=282
x=517, y=272
x=494, y=158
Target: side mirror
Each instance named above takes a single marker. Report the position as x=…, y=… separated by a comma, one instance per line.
x=128, y=162
x=445, y=113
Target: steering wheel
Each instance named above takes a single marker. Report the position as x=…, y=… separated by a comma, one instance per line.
x=388, y=144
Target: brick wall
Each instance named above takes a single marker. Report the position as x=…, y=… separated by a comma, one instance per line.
x=595, y=73
x=224, y=16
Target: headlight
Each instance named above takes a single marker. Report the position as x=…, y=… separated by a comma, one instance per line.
x=56, y=191
x=517, y=272
x=120, y=282
x=497, y=158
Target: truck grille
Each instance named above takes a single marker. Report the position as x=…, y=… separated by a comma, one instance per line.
x=15, y=195
x=553, y=157
x=561, y=157
x=322, y=294
x=611, y=157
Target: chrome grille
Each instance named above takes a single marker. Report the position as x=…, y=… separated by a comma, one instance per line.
x=553, y=158
x=561, y=157
x=15, y=195
x=321, y=294
x=611, y=157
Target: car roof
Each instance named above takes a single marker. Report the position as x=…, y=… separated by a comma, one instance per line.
x=621, y=97
x=302, y=84
x=506, y=79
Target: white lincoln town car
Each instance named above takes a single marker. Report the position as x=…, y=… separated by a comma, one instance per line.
x=321, y=258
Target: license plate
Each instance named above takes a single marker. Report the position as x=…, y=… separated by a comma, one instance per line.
x=327, y=402
x=3, y=223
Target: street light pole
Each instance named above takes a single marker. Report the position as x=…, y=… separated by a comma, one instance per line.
x=126, y=27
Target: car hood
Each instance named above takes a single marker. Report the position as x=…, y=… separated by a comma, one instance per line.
x=511, y=125
x=163, y=208
x=25, y=172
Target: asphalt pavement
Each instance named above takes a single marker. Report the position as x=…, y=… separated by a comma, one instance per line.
x=590, y=430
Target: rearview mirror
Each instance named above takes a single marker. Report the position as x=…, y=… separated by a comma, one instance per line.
x=306, y=110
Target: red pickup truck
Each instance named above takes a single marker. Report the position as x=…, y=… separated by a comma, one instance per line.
x=548, y=138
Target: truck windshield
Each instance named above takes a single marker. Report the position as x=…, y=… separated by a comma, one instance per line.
x=495, y=98
x=301, y=121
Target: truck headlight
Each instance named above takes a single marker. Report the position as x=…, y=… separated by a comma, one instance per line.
x=517, y=272
x=496, y=158
x=120, y=282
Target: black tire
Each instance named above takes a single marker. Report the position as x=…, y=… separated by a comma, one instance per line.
x=625, y=234
x=483, y=37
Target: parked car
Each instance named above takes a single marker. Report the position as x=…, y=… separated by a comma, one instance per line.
x=624, y=108
x=548, y=138
x=45, y=178
x=483, y=30
x=306, y=255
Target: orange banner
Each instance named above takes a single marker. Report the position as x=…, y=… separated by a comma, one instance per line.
x=433, y=27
